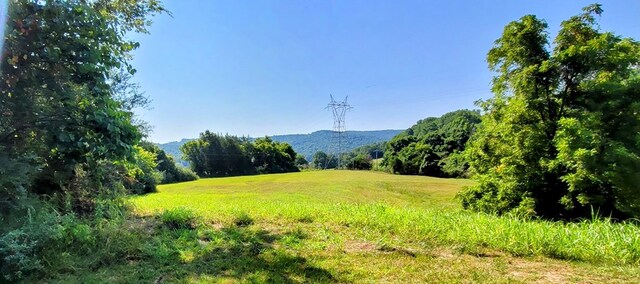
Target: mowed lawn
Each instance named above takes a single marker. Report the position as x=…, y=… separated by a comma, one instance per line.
x=359, y=226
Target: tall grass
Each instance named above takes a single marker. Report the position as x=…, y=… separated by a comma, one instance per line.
x=600, y=241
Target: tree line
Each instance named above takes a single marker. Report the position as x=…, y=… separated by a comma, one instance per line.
x=215, y=155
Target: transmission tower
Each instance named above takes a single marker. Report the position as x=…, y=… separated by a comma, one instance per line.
x=339, y=110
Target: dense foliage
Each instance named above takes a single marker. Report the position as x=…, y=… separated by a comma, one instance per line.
x=361, y=158
x=68, y=138
x=62, y=98
x=433, y=146
x=214, y=155
x=561, y=136
x=357, y=161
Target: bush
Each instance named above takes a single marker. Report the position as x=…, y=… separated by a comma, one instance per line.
x=143, y=173
x=18, y=253
x=180, y=174
x=36, y=240
x=15, y=176
x=26, y=233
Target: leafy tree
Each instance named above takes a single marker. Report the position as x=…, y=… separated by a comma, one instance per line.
x=301, y=161
x=273, y=157
x=358, y=162
x=322, y=160
x=375, y=150
x=561, y=136
x=67, y=134
x=61, y=114
x=216, y=155
x=142, y=172
x=431, y=147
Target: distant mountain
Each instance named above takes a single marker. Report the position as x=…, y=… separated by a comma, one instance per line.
x=307, y=144
x=173, y=148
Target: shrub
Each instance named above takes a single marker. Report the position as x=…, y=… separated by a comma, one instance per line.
x=181, y=174
x=18, y=254
x=27, y=232
x=143, y=173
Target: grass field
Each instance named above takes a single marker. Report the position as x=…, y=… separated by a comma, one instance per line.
x=352, y=226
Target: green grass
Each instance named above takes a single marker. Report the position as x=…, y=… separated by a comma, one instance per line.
x=356, y=226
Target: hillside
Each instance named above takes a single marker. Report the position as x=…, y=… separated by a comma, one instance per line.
x=306, y=144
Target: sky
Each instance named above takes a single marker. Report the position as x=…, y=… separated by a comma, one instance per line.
x=265, y=67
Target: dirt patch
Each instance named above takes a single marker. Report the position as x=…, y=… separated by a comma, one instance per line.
x=529, y=270
x=359, y=247
x=541, y=272
x=391, y=249
x=443, y=253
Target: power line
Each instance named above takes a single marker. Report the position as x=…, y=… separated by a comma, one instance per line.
x=339, y=111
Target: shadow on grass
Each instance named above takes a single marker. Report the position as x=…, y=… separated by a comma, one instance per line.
x=231, y=253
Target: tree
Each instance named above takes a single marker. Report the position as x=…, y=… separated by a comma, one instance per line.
x=358, y=162
x=61, y=113
x=375, y=150
x=301, y=162
x=561, y=136
x=166, y=165
x=215, y=155
x=143, y=172
x=273, y=157
x=431, y=146
x=322, y=160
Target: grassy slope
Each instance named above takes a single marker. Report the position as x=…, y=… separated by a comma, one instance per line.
x=345, y=226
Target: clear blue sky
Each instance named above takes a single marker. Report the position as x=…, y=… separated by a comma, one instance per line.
x=267, y=67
